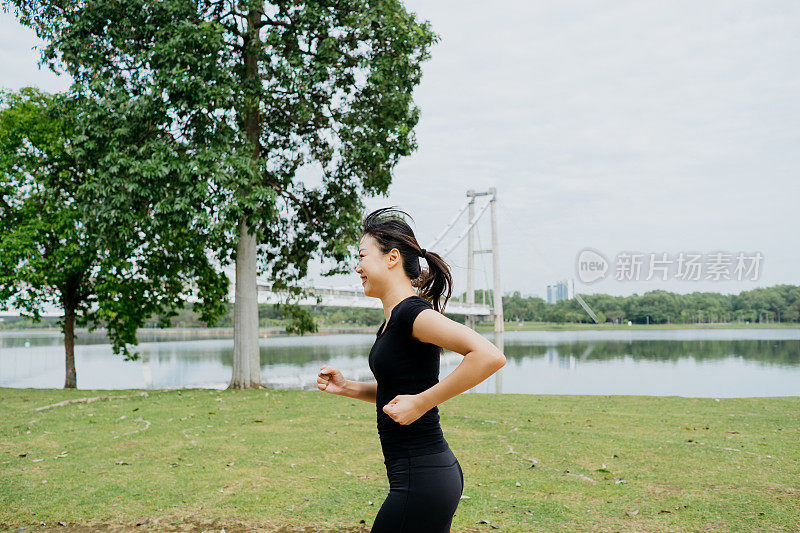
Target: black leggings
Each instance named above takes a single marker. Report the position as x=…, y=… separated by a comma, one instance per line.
x=424, y=492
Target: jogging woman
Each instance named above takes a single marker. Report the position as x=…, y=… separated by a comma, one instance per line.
x=425, y=478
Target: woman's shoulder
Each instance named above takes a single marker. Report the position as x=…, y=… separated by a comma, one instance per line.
x=414, y=305
x=417, y=303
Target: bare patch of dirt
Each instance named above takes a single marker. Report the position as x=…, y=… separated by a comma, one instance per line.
x=173, y=525
x=84, y=400
x=662, y=489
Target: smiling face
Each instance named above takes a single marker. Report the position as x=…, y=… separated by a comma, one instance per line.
x=373, y=266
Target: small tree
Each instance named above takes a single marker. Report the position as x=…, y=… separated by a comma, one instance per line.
x=50, y=252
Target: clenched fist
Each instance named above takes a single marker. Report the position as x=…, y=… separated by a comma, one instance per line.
x=331, y=380
x=405, y=408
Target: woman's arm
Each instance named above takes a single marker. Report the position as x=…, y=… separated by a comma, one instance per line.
x=361, y=391
x=481, y=357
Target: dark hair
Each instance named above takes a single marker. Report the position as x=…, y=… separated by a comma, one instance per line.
x=390, y=230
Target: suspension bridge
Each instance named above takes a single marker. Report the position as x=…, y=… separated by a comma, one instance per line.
x=353, y=295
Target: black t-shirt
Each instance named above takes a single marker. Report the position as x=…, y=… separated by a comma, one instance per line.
x=402, y=364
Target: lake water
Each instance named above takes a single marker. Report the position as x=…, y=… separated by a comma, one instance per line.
x=691, y=363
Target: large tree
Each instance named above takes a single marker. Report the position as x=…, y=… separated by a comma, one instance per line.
x=255, y=93
x=52, y=253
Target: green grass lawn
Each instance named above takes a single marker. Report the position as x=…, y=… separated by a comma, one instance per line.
x=197, y=459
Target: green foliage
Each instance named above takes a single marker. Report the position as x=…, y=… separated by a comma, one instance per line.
x=46, y=251
x=57, y=247
x=205, y=112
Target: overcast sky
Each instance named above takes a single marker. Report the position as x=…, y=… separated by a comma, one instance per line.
x=661, y=127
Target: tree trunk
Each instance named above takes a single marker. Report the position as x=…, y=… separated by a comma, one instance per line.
x=71, y=381
x=245, y=314
x=69, y=303
x=246, y=357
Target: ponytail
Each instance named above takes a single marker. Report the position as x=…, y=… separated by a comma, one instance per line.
x=434, y=280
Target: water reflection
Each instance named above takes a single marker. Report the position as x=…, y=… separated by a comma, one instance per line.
x=697, y=363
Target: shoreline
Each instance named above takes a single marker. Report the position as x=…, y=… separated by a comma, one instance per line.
x=279, y=331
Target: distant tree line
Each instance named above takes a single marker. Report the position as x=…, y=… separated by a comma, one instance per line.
x=780, y=303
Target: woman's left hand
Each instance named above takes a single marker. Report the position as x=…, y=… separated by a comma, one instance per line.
x=405, y=408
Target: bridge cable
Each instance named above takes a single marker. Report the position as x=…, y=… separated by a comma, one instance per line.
x=447, y=227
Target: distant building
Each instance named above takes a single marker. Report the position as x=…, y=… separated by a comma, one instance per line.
x=563, y=290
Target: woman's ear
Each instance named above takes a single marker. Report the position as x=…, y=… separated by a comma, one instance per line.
x=394, y=257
